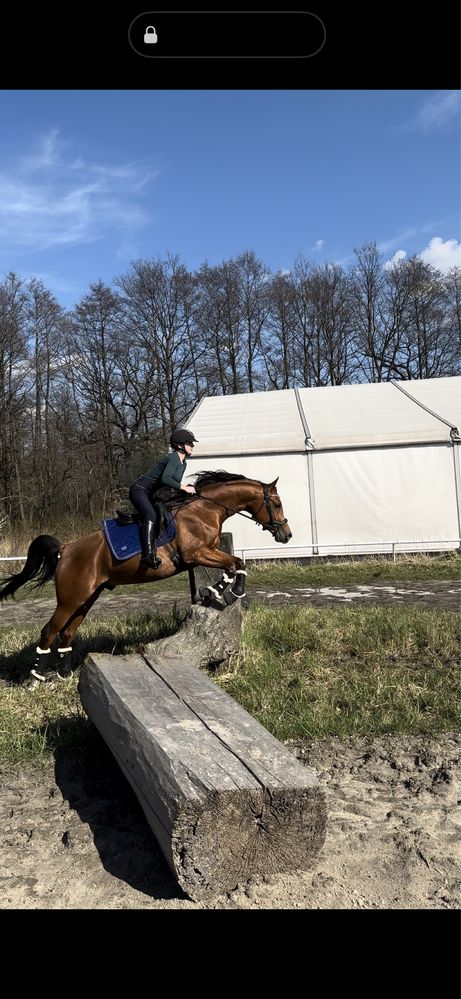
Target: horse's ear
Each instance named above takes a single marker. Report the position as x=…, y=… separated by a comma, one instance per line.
x=273, y=484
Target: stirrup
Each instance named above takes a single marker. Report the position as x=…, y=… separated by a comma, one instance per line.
x=150, y=562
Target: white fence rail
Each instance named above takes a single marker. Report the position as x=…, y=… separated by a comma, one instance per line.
x=333, y=548
x=336, y=550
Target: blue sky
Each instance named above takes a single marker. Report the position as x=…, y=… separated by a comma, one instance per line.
x=91, y=180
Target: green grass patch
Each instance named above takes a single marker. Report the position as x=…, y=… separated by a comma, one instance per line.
x=406, y=568
x=34, y=723
x=317, y=672
x=302, y=672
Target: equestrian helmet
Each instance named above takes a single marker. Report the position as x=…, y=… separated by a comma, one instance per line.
x=182, y=436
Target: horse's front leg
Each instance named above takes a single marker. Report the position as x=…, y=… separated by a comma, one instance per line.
x=234, y=572
x=216, y=590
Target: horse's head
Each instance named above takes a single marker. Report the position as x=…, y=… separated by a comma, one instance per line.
x=270, y=513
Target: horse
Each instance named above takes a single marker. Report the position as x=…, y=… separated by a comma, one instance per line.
x=82, y=569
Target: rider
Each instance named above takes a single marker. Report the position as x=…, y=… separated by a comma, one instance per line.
x=168, y=472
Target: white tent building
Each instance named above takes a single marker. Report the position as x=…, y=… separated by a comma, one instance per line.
x=362, y=468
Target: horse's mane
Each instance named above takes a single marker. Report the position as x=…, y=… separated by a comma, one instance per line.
x=213, y=478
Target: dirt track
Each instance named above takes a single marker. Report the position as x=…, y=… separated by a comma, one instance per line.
x=73, y=835
x=444, y=594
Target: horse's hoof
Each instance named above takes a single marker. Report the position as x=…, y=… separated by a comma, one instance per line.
x=30, y=683
x=41, y=677
x=65, y=674
x=229, y=597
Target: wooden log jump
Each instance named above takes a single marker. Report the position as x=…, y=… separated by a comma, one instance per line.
x=225, y=800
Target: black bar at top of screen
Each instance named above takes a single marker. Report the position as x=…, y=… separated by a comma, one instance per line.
x=227, y=34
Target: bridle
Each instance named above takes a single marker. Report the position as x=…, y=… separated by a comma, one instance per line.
x=273, y=525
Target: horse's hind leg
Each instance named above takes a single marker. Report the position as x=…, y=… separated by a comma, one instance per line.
x=47, y=637
x=68, y=632
x=64, y=622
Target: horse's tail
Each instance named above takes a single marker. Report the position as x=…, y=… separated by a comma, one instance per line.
x=41, y=562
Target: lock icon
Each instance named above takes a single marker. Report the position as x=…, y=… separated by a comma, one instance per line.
x=150, y=35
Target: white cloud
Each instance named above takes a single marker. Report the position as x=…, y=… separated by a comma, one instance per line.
x=54, y=198
x=398, y=256
x=437, y=113
x=318, y=244
x=442, y=254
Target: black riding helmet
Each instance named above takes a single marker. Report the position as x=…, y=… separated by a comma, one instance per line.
x=182, y=436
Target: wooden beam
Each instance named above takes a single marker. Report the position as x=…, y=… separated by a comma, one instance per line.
x=225, y=800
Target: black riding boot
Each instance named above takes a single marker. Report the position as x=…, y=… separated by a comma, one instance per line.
x=149, y=558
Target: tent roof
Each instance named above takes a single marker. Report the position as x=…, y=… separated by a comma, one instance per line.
x=340, y=416
x=441, y=395
x=251, y=423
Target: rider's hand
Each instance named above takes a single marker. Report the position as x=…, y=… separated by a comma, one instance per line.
x=188, y=489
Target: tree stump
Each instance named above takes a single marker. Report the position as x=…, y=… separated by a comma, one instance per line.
x=207, y=638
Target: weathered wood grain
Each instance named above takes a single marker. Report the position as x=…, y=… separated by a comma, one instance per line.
x=225, y=800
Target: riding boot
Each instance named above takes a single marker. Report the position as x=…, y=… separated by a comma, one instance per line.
x=149, y=558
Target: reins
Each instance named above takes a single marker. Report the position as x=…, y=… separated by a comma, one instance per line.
x=273, y=524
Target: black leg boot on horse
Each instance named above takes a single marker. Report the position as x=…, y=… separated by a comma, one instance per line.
x=148, y=531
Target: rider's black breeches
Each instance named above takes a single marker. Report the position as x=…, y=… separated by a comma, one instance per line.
x=142, y=502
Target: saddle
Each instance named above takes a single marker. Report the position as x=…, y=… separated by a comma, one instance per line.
x=123, y=537
x=124, y=518
x=166, y=506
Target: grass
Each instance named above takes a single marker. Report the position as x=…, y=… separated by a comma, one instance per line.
x=317, y=672
x=51, y=717
x=369, y=570
x=302, y=672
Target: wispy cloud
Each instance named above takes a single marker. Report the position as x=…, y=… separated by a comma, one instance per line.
x=389, y=244
x=52, y=198
x=69, y=287
x=436, y=114
x=318, y=245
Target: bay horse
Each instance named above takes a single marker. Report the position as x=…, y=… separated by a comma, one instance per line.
x=82, y=569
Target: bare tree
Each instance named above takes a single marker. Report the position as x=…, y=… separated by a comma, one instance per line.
x=453, y=315
x=377, y=334
x=44, y=328
x=332, y=326
x=426, y=343
x=305, y=347
x=277, y=344
x=14, y=383
x=253, y=278
x=95, y=335
x=157, y=301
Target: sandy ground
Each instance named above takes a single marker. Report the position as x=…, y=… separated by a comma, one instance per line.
x=73, y=836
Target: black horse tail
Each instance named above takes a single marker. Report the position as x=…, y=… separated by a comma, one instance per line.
x=41, y=562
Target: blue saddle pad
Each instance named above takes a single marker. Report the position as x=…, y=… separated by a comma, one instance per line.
x=124, y=542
